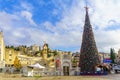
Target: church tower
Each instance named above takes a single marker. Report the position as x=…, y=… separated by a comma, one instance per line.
x=45, y=51
x=89, y=57
x=2, y=50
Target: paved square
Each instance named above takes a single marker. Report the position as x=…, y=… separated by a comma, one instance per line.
x=18, y=77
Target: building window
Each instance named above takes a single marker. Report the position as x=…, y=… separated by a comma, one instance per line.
x=10, y=54
x=10, y=59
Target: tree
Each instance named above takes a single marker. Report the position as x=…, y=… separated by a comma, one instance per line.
x=112, y=55
x=38, y=53
x=17, y=63
x=89, y=57
x=55, y=53
x=49, y=55
x=17, y=48
x=12, y=47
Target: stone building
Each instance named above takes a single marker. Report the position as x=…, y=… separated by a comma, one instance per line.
x=2, y=51
x=10, y=55
x=104, y=56
x=63, y=64
x=75, y=59
x=27, y=60
x=47, y=61
x=35, y=47
x=117, y=60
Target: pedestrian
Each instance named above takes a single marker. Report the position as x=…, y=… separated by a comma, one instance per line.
x=98, y=69
x=105, y=70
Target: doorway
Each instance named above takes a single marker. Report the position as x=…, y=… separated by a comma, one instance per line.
x=66, y=70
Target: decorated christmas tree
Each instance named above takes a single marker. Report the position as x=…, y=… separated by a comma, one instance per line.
x=89, y=57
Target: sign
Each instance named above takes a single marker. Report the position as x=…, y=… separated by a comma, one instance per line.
x=107, y=61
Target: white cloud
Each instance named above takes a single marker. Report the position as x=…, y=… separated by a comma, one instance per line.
x=107, y=39
x=28, y=16
x=104, y=11
x=102, y=15
x=27, y=6
x=6, y=20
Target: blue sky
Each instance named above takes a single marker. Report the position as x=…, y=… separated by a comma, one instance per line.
x=60, y=23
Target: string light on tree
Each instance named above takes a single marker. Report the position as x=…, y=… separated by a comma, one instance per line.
x=89, y=52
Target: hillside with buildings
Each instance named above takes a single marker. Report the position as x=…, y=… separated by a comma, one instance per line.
x=64, y=63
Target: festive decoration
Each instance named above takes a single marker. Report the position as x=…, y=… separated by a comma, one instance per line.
x=88, y=54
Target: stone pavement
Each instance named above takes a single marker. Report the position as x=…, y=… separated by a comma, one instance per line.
x=18, y=77
x=112, y=76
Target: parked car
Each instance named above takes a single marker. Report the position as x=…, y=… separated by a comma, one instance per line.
x=116, y=68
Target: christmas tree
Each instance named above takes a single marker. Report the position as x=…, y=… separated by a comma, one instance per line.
x=89, y=57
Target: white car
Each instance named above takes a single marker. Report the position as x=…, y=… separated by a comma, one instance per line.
x=116, y=68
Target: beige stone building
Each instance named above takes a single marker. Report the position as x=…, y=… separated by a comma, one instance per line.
x=101, y=56
x=75, y=59
x=31, y=50
x=117, y=60
x=63, y=63
x=10, y=55
x=43, y=59
x=27, y=60
x=104, y=56
x=35, y=47
x=2, y=51
x=46, y=61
